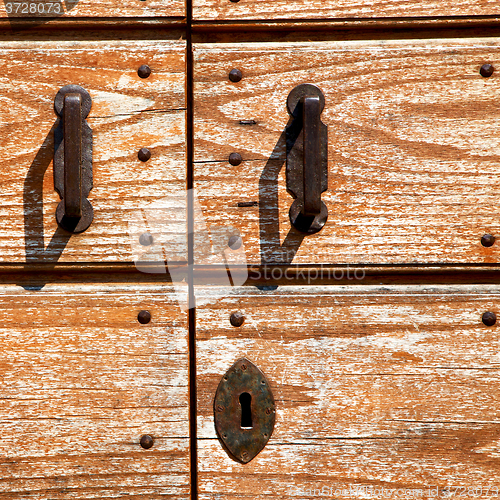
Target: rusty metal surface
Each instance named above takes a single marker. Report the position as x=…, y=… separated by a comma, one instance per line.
x=72, y=123
x=241, y=442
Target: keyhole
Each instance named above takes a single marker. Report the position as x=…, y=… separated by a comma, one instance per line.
x=246, y=410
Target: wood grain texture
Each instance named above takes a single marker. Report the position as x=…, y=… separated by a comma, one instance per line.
x=413, y=137
x=128, y=113
x=89, y=8
x=328, y=9
x=82, y=381
x=376, y=387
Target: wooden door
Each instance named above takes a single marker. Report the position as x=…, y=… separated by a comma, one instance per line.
x=411, y=175
x=95, y=403
x=331, y=10
x=375, y=334
x=95, y=358
x=379, y=391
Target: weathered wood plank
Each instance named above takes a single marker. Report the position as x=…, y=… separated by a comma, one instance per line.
x=413, y=133
x=40, y=9
x=128, y=113
x=304, y=9
x=82, y=381
x=392, y=387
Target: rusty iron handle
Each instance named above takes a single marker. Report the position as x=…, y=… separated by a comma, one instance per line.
x=307, y=158
x=73, y=155
x=312, y=161
x=73, y=159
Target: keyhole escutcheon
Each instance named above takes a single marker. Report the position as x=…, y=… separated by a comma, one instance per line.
x=244, y=411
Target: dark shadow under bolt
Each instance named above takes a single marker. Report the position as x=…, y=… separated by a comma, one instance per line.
x=243, y=204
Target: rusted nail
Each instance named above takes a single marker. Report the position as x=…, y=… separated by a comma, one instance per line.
x=489, y=318
x=144, y=71
x=146, y=239
x=235, y=75
x=234, y=242
x=144, y=154
x=243, y=366
x=269, y=411
x=147, y=441
x=487, y=240
x=220, y=408
x=144, y=317
x=237, y=319
x=235, y=159
x=486, y=70
x=244, y=455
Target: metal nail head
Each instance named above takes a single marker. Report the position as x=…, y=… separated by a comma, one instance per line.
x=237, y=319
x=144, y=317
x=144, y=154
x=489, y=318
x=234, y=242
x=486, y=70
x=144, y=71
x=147, y=441
x=488, y=240
x=235, y=159
x=146, y=239
x=235, y=75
